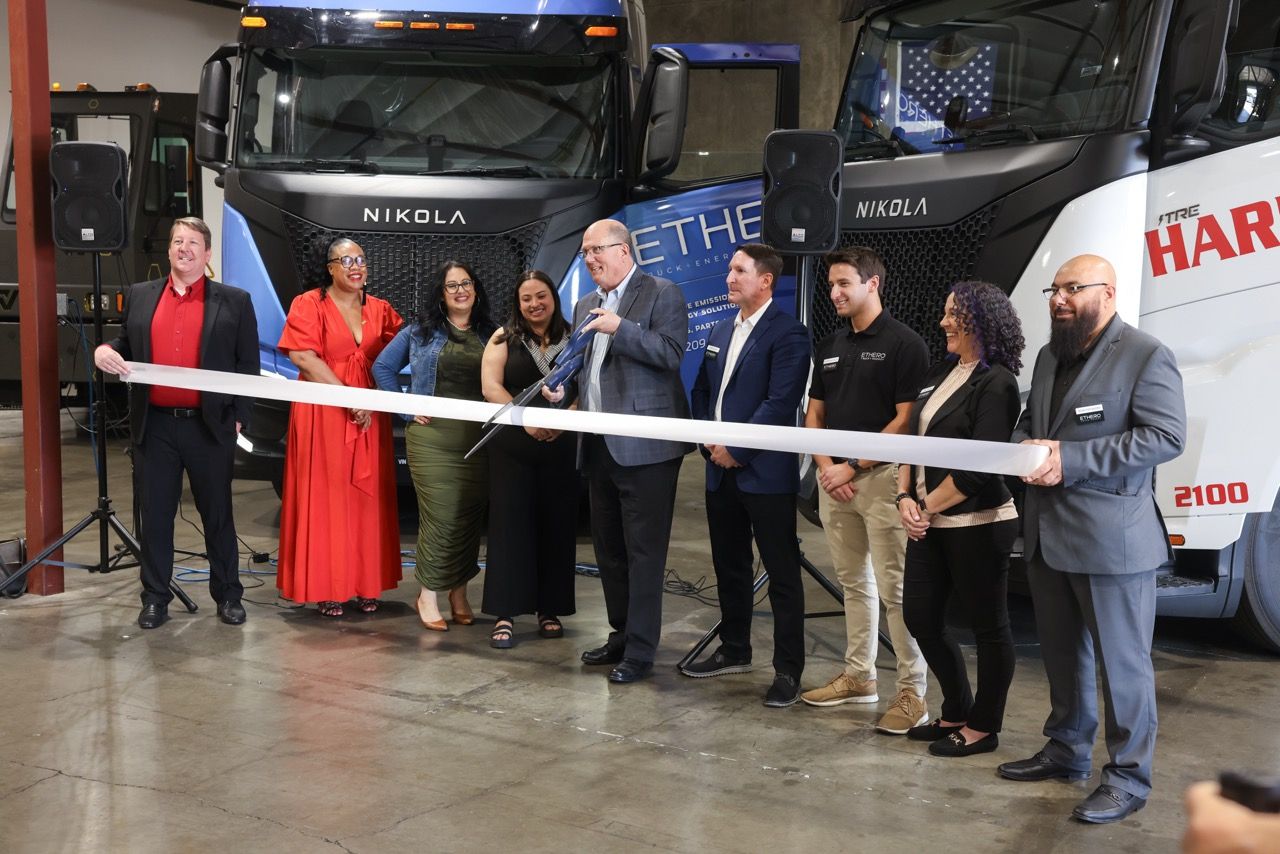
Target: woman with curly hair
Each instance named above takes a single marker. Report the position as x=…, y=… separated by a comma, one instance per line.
x=961, y=524
x=443, y=352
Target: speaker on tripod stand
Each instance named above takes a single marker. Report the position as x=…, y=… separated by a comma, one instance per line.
x=90, y=214
x=800, y=214
x=90, y=196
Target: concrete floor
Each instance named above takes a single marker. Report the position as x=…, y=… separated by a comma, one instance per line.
x=296, y=733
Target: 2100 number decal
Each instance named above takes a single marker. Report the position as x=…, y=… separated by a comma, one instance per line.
x=1212, y=495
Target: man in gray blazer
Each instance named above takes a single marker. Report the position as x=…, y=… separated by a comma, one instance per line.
x=631, y=366
x=1107, y=401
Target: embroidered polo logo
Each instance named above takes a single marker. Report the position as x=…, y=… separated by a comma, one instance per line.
x=868, y=356
x=925, y=392
x=830, y=364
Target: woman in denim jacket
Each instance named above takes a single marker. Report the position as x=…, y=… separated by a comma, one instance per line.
x=443, y=353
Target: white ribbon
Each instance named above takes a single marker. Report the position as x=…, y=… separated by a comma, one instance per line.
x=960, y=454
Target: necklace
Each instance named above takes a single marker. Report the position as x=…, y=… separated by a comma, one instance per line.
x=457, y=327
x=962, y=363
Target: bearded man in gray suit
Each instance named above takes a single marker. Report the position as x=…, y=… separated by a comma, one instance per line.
x=1107, y=401
x=631, y=366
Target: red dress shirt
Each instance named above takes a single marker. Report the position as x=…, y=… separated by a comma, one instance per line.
x=175, y=340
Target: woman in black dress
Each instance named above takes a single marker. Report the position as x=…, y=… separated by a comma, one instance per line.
x=533, y=484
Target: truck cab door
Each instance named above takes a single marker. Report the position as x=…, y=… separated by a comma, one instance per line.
x=701, y=118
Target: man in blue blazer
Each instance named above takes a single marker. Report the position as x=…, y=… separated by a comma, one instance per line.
x=631, y=366
x=1107, y=401
x=753, y=371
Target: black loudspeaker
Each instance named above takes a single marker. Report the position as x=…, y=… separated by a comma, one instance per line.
x=90, y=196
x=801, y=211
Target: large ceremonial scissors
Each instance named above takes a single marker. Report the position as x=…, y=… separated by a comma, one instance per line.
x=565, y=368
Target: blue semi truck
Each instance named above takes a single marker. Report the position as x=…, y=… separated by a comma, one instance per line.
x=492, y=131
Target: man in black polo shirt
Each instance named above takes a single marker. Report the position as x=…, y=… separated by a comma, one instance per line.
x=865, y=378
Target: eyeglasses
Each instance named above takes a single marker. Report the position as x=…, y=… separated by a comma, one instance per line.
x=596, y=251
x=1069, y=290
x=464, y=285
x=349, y=261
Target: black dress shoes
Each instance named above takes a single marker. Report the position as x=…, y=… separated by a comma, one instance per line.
x=954, y=745
x=932, y=731
x=602, y=655
x=1107, y=804
x=1039, y=767
x=231, y=612
x=153, y=616
x=630, y=670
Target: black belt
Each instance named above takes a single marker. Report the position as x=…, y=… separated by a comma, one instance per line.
x=177, y=412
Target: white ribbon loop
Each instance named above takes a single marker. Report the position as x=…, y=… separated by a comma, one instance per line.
x=961, y=454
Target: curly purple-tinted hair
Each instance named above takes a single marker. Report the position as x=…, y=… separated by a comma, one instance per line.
x=984, y=311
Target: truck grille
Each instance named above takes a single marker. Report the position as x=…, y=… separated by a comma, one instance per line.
x=921, y=263
x=402, y=264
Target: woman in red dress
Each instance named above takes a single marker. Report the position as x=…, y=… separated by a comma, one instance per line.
x=339, y=529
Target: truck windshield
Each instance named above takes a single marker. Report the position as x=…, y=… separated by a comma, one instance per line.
x=953, y=74
x=426, y=113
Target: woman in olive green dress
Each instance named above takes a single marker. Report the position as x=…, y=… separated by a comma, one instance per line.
x=443, y=353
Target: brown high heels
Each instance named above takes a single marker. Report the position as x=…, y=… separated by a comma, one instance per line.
x=462, y=613
x=433, y=625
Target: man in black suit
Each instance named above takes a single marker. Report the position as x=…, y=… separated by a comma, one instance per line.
x=753, y=371
x=185, y=320
x=632, y=366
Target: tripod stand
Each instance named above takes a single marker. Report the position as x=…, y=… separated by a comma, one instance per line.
x=816, y=574
x=104, y=514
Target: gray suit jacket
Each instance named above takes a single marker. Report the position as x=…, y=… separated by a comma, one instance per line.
x=1123, y=416
x=641, y=371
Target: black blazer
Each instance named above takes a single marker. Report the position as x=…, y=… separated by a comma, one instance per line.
x=228, y=342
x=986, y=407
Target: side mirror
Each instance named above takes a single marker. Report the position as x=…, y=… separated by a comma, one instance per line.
x=213, y=108
x=660, y=115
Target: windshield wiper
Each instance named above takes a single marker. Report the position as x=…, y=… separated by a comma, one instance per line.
x=521, y=171
x=992, y=136
x=872, y=149
x=324, y=164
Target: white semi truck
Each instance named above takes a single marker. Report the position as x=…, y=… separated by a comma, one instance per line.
x=994, y=140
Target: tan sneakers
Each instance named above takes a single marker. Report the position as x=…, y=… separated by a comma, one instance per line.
x=843, y=689
x=906, y=710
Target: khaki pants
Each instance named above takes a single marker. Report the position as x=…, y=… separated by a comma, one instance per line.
x=868, y=547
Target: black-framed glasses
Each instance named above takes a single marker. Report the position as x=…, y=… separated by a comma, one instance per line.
x=1069, y=290
x=349, y=261
x=464, y=285
x=596, y=251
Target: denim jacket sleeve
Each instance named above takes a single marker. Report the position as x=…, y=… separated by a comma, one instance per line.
x=391, y=361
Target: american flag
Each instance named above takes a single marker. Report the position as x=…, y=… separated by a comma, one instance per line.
x=926, y=88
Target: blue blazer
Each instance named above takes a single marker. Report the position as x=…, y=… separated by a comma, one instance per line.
x=766, y=386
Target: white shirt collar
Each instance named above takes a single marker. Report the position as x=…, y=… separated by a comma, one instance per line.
x=755, y=315
x=622, y=286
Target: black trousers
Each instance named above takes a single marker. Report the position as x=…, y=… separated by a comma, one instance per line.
x=970, y=565
x=631, y=510
x=170, y=446
x=734, y=517
x=533, y=515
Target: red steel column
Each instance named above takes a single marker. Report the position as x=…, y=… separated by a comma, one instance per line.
x=37, y=302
